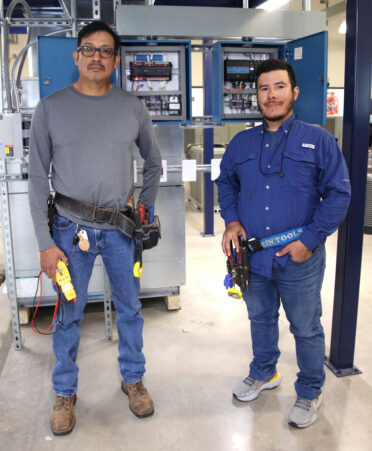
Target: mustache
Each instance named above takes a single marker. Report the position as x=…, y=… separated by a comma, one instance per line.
x=93, y=65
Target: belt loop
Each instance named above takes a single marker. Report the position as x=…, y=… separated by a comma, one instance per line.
x=113, y=217
x=94, y=213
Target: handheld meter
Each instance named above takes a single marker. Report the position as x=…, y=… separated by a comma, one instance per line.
x=64, y=281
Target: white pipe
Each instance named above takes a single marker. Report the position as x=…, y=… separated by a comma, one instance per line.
x=306, y=5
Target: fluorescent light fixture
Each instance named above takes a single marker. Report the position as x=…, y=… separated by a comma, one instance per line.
x=342, y=29
x=271, y=5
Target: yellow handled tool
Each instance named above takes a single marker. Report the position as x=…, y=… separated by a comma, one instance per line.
x=137, y=269
x=64, y=281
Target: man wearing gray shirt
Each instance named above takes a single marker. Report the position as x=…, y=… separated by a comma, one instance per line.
x=86, y=134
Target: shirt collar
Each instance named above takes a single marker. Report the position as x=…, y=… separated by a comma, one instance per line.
x=284, y=127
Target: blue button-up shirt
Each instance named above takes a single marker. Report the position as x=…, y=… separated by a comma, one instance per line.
x=314, y=189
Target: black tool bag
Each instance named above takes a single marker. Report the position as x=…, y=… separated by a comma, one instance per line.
x=151, y=233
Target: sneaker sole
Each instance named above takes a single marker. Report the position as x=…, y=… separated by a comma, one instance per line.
x=302, y=426
x=313, y=419
x=144, y=415
x=267, y=386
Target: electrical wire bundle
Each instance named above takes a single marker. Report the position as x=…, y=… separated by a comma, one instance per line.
x=57, y=308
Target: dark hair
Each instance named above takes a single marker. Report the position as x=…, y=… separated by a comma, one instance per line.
x=97, y=25
x=275, y=64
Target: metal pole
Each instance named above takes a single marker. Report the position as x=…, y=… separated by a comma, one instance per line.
x=73, y=17
x=9, y=258
x=208, y=143
x=306, y=5
x=355, y=149
x=1, y=55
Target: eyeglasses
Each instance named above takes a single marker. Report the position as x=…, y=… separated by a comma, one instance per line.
x=105, y=52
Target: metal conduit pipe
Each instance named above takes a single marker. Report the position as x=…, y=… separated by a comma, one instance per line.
x=65, y=9
x=8, y=14
x=73, y=17
x=5, y=63
x=20, y=55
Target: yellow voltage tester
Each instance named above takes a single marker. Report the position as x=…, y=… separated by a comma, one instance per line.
x=64, y=281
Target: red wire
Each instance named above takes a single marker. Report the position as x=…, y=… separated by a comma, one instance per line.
x=55, y=309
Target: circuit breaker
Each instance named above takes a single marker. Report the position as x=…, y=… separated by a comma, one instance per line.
x=234, y=81
x=158, y=72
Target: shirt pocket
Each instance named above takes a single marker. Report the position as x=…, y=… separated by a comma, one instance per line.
x=300, y=168
x=246, y=166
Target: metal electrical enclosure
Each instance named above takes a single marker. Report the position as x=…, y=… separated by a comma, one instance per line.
x=57, y=67
x=159, y=73
x=235, y=64
x=11, y=144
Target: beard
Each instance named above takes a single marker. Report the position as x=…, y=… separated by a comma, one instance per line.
x=279, y=117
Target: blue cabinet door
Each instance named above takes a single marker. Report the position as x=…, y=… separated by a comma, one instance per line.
x=57, y=67
x=308, y=57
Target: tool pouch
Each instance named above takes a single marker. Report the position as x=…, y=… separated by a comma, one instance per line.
x=51, y=213
x=151, y=234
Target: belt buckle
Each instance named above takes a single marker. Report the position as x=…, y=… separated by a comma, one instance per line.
x=97, y=208
x=254, y=245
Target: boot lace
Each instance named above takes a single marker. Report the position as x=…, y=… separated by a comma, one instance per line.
x=138, y=389
x=63, y=403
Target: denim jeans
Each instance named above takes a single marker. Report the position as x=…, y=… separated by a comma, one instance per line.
x=298, y=287
x=117, y=253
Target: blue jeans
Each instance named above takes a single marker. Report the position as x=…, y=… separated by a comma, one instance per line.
x=298, y=287
x=117, y=253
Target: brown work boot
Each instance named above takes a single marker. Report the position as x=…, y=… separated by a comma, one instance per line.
x=140, y=402
x=62, y=420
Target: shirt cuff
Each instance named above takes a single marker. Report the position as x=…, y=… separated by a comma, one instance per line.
x=232, y=217
x=310, y=240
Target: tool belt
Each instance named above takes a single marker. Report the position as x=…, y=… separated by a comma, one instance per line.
x=238, y=262
x=120, y=218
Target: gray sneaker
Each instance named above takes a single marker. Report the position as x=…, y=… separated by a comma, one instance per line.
x=250, y=388
x=304, y=412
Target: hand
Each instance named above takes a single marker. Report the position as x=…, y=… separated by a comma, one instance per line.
x=297, y=250
x=233, y=231
x=49, y=259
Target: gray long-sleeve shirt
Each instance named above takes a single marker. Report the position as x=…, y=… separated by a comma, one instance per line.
x=89, y=141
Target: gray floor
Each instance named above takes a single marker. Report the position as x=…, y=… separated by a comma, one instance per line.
x=194, y=358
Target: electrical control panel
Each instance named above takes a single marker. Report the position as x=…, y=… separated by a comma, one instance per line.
x=158, y=72
x=234, y=81
x=11, y=140
x=239, y=97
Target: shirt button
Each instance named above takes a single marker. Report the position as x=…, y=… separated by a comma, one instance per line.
x=267, y=186
x=285, y=131
x=267, y=228
x=269, y=166
x=266, y=208
x=267, y=145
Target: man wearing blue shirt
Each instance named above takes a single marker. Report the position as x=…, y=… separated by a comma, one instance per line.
x=283, y=175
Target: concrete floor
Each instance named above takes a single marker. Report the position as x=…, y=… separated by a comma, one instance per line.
x=194, y=358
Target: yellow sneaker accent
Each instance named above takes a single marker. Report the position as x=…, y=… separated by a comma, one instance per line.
x=276, y=376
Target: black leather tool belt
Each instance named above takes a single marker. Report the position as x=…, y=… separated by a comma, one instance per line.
x=120, y=218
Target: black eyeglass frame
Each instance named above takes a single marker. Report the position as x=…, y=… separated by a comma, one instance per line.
x=97, y=49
